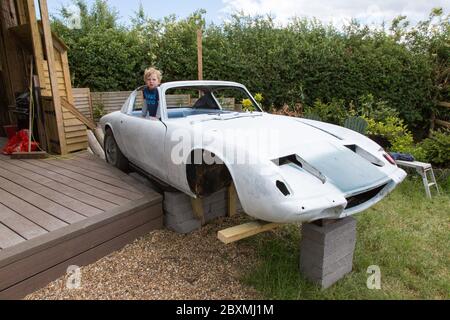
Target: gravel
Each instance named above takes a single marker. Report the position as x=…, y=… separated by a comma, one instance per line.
x=165, y=265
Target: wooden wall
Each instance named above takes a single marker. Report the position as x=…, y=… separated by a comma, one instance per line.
x=82, y=101
x=14, y=59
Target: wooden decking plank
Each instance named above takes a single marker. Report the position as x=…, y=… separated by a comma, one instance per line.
x=73, y=240
x=50, y=194
x=86, y=180
x=114, y=181
x=96, y=163
x=62, y=188
x=22, y=226
x=52, y=208
x=30, y=212
x=21, y=289
x=123, y=176
x=91, y=165
x=71, y=182
x=8, y=238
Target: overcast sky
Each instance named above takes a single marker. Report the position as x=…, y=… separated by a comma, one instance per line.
x=334, y=11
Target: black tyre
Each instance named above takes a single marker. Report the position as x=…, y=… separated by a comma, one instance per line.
x=112, y=152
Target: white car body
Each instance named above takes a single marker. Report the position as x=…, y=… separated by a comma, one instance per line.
x=330, y=172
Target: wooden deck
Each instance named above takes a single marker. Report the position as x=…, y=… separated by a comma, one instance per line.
x=60, y=212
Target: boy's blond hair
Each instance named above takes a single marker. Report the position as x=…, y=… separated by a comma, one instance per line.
x=148, y=72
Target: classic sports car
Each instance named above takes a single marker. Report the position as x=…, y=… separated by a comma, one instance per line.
x=209, y=134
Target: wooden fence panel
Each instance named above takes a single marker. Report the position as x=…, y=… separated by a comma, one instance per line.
x=82, y=101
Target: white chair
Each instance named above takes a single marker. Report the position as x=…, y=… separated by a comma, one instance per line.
x=422, y=169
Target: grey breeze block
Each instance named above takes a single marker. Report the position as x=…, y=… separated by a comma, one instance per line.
x=326, y=252
x=178, y=214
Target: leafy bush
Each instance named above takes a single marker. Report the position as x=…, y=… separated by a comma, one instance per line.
x=300, y=63
x=332, y=112
x=98, y=111
x=437, y=148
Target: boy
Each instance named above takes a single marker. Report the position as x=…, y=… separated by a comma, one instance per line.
x=152, y=78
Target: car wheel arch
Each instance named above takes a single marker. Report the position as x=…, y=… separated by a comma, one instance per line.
x=205, y=179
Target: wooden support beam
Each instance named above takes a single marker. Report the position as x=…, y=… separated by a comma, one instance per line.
x=246, y=230
x=444, y=104
x=67, y=105
x=67, y=81
x=200, y=54
x=442, y=123
x=48, y=40
x=36, y=41
x=197, y=208
x=232, y=200
x=20, y=9
x=29, y=155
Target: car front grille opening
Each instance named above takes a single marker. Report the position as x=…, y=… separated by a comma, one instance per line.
x=282, y=187
x=358, y=199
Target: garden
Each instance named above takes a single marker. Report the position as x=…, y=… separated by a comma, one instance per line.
x=395, y=76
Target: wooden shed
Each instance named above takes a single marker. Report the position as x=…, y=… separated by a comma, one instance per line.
x=27, y=44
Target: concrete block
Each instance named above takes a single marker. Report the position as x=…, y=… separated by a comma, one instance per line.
x=326, y=252
x=179, y=215
x=182, y=227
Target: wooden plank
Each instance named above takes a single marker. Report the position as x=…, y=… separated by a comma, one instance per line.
x=60, y=187
x=36, y=40
x=73, y=183
x=68, y=116
x=444, y=104
x=246, y=230
x=75, y=128
x=8, y=238
x=39, y=217
x=72, y=122
x=20, y=290
x=29, y=155
x=114, y=181
x=76, y=140
x=76, y=134
x=197, y=208
x=442, y=123
x=52, y=208
x=199, y=54
x=70, y=203
x=21, y=12
x=22, y=226
x=232, y=200
x=48, y=40
x=87, y=180
x=68, y=106
x=77, y=147
x=97, y=168
x=34, y=256
x=68, y=83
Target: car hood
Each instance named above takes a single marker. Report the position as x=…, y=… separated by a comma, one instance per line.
x=325, y=152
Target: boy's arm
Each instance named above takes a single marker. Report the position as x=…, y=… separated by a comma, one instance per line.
x=144, y=106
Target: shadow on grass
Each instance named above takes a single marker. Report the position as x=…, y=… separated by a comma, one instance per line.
x=406, y=235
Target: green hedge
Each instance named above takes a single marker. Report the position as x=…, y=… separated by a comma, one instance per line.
x=301, y=63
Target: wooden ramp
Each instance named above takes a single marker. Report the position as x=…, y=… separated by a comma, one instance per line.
x=55, y=213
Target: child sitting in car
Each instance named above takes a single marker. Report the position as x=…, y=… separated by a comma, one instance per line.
x=152, y=78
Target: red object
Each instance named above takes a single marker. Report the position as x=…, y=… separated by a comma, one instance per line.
x=11, y=130
x=389, y=158
x=19, y=143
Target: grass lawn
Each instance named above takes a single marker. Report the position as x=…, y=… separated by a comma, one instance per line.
x=406, y=235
